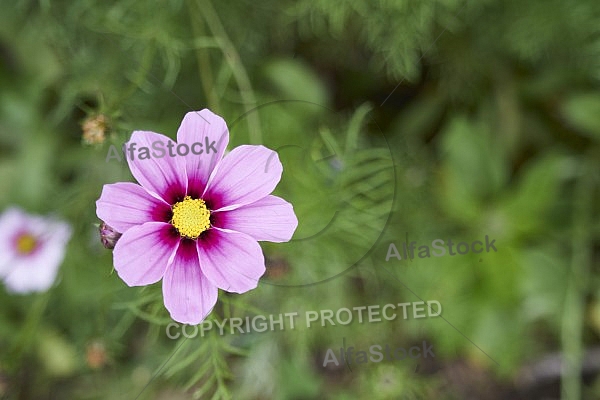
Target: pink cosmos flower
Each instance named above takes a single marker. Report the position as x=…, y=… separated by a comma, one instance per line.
x=31, y=250
x=196, y=220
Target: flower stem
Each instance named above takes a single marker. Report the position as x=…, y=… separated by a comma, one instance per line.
x=577, y=286
x=30, y=327
x=204, y=68
x=233, y=58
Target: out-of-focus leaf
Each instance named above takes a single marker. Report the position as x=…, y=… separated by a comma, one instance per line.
x=582, y=111
x=295, y=81
x=471, y=153
x=473, y=167
x=56, y=354
x=543, y=283
x=536, y=192
x=302, y=381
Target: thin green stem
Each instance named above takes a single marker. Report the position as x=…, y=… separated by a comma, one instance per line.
x=233, y=58
x=202, y=57
x=139, y=76
x=30, y=326
x=219, y=367
x=577, y=287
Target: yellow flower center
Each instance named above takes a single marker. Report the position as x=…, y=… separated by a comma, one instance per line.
x=26, y=243
x=190, y=217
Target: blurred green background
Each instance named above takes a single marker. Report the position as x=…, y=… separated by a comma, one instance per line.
x=395, y=120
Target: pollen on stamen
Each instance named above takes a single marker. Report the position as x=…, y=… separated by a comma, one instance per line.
x=191, y=217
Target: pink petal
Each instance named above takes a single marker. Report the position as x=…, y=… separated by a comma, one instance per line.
x=143, y=253
x=37, y=272
x=271, y=219
x=164, y=176
x=202, y=127
x=12, y=220
x=125, y=204
x=245, y=175
x=33, y=275
x=232, y=261
x=188, y=295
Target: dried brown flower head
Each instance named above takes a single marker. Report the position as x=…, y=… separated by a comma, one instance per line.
x=94, y=129
x=96, y=355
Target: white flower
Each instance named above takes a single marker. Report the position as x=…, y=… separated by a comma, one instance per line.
x=32, y=248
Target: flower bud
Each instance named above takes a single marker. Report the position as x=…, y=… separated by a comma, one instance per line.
x=108, y=235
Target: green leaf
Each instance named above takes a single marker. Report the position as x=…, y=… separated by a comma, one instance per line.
x=296, y=81
x=527, y=208
x=583, y=112
x=56, y=354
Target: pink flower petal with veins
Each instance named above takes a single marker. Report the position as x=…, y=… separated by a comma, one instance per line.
x=188, y=295
x=270, y=219
x=231, y=260
x=205, y=128
x=247, y=174
x=144, y=252
x=164, y=176
x=124, y=205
